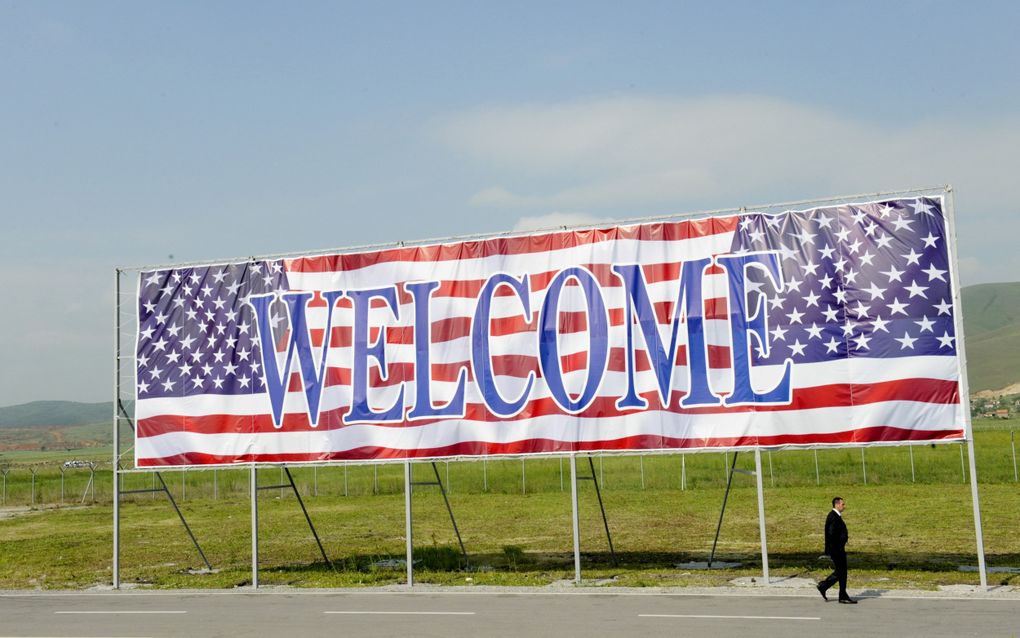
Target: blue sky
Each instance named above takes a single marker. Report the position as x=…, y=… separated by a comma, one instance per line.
x=135, y=131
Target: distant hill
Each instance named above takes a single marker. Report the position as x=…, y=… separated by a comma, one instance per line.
x=55, y=413
x=991, y=318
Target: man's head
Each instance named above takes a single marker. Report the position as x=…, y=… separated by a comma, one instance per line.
x=838, y=504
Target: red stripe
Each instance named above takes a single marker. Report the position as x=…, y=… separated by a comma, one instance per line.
x=876, y=434
x=918, y=390
x=525, y=245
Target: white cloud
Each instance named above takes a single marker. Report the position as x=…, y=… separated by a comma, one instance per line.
x=555, y=220
x=626, y=156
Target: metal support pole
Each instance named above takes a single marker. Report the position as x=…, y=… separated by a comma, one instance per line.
x=561, y=473
x=910, y=448
x=345, y=478
x=33, y=471
x=683, y=472
x=449, y=510
x=963, y=468
x=772, y=477
x=761, y=517
x=602, y=470
x=61, y=485
x=447, y=487
x=524, y=481
x=253, y=488
x=573, y=516
x=641, y=462
x=485, y=476
x=308, y=518
x=187, y=528
x=1016, y=477
x=864, y=467
x=215, y=486
x=605, y=522
x=184, y=485
x=407, y=524
x=116, y=431
x=818, y=478
x=726, y=496
x=315, y=480
x=977, y=516
x=375, y=479
x=5, y=471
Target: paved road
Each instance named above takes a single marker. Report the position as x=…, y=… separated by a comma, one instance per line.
x=292, y=615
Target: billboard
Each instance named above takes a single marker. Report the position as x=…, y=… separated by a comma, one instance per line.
x=832, y=325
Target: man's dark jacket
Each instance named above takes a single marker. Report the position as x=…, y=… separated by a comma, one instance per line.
x=836, y=535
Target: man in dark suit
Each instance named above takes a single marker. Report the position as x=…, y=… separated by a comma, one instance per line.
x=836, y=537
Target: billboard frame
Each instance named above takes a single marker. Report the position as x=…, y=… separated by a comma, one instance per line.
x=126, y=361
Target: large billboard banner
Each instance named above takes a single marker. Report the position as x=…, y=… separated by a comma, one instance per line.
x=826, y=326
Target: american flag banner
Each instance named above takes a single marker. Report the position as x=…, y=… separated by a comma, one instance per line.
x=827, y=326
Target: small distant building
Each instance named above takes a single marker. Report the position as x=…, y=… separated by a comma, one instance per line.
x=1001, y=414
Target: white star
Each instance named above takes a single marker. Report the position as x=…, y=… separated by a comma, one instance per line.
x=778, y=333
x=805, y=237
x=902, y=223
x=843, y=235
x=195, y=278
x=945, y=341
x=755, y=236
x=811, y=299
x=160, y=345
x=841, y=264
x=797, y=348
x=161, y=318
x=219, y=303
x=149, y=307
x=233, y=288
x=795, y=316
x=173, y=356
x=168, y=385
x=275, y=320
x=777, y=302
x=886, y=210
x=893, y=274
x=143, y=361
x=831, y=314
x=827, y=251
x=185, y=369
x=211, y=340
x=277, y=267
x=745, y=223
x=850, y=276
x=197, y=382
x=230, y=369
x=221, y=328
x=810, y=268
x=206, y=290
x=231, y=342
x=906, y=341
x=256, y=267
x=862, y=341
x=207, y=369
x=929, y=241
x=840, y=295
x=242, y=328
x=187, y=341
x=174, y=330
x=218, y=382
x=147, y=333
x=884, y=241
x=831, y=346
x=787, y=253
x=926, y=324
x=861, y=310
x=243, y=354
x=245, y=380
x=255, y=365
x=153, y=278
x=268, y=280
x=913, y=257
x=934, y=273
x=824, y=221
x=218, y=277
x=155, y=372
x=143, y=387
x=897, y=306
x=773, y=221
x=218, y=356
x=922, y=207
x=916, y=291
x=943, y=307
x=231, y=315
x=793, y=284
x=854, y=247
x=859, y=216
x=826, y=281
x=874, y=291
x=866, y=258
x=879, y=324
x=191, y=314
x=814, y=332
x=848, y=328
x=870, y=229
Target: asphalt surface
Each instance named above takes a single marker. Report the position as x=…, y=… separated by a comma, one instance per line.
x=497, y=613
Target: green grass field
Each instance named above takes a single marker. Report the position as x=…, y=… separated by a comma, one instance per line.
x=905, y=530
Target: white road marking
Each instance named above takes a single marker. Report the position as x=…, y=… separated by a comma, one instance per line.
x=728, y=617
x=120, y=611
x=403, y=613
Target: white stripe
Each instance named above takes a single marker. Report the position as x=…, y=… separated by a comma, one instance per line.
x=916, y=416
x=621, y=251
x=858, y=371
x=120, y=611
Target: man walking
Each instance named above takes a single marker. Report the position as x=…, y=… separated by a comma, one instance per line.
x=836, y=537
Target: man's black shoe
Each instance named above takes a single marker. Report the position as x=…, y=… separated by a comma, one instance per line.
x=822, y=592
x=848, y=601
